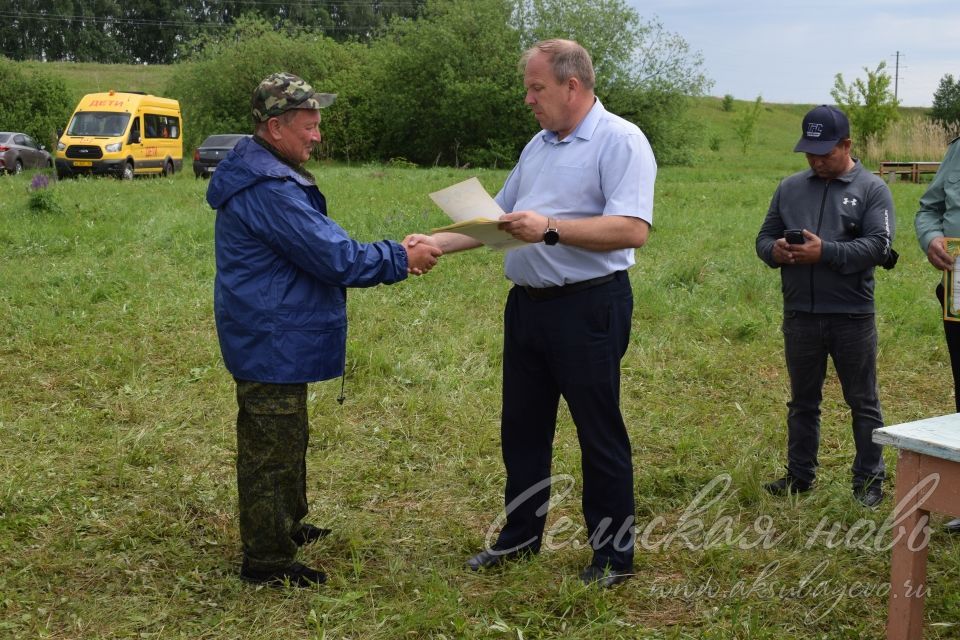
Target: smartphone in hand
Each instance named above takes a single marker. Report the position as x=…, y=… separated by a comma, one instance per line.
x=794, y=236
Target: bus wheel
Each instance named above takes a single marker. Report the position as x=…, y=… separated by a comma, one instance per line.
x=127, y=172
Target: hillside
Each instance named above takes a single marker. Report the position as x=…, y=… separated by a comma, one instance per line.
x=89, y=77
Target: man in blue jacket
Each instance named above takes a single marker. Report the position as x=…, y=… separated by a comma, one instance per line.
x=280, y=305
x=826, y=230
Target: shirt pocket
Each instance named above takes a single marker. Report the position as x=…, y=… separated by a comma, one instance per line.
x=951, y=191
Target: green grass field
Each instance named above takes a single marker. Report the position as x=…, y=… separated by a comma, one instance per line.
x=117, y=494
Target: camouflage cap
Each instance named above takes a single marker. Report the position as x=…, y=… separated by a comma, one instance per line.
x=280, y=92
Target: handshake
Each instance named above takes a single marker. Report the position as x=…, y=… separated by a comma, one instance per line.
x=422, y=253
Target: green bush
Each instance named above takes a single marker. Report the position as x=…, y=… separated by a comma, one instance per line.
x=34, y=102
x=45, y=201
x=214, y=88
x=727, y=104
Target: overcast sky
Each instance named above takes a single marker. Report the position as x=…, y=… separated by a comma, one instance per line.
x=789, y=51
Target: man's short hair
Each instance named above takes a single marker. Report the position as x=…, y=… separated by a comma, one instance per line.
x=567, y=59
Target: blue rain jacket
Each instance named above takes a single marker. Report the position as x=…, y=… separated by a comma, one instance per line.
x=282, y=269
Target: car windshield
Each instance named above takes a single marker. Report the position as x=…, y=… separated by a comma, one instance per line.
x=99, y=123
x=5, y=137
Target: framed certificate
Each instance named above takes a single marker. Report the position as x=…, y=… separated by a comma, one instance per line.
x=951, y=282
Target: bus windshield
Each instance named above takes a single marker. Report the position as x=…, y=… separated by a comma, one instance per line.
x=104, y=124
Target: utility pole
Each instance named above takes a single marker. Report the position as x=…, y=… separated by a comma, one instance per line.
x=896, y=76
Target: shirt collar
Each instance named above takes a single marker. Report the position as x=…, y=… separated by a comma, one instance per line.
x=584, y=130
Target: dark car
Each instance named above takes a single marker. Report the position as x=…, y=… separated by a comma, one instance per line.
x=211, y=151
x=18, y=151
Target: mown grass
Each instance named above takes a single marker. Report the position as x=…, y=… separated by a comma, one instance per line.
x=117, y=499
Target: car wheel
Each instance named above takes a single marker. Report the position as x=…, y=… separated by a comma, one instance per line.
x=49, y=164
x=127, y=172
x=18, y=167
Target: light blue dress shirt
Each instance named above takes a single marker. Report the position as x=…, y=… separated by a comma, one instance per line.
x=604, y=167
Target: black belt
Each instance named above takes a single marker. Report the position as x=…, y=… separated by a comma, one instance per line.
x=549, y=293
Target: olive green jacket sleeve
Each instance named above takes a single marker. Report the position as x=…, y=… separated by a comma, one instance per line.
x=939, y=213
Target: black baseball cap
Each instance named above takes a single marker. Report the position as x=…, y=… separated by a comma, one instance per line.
x=823, y=128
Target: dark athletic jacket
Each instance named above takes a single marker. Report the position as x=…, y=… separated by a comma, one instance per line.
x=854, y=217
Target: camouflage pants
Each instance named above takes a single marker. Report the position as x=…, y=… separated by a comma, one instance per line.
x=272, y=433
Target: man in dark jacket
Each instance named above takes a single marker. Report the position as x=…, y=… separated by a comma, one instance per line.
x=826, y=230
x=280, y=306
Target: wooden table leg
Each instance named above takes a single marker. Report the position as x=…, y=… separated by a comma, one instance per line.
x=908, y=566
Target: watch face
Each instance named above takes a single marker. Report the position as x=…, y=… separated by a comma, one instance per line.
x=551, y=237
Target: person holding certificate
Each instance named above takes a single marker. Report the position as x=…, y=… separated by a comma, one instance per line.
x=581, y=200
x=937, y=220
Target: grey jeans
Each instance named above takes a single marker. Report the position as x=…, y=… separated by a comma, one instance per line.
x=851, y=341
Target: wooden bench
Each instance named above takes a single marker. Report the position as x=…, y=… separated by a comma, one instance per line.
x=928, y=479
x=911, y=169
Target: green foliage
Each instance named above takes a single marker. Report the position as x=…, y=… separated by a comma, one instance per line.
x=946, y=103
x=644, y=73
x=747, y=124
x=45, y=201
x=869, y=104
x=433, y=96
x=215, y=87
x=727, y=103
x=34, y=102
x=426, y=92
x=154, y=31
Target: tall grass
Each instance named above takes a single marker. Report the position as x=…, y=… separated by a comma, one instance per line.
x=117, y=499
x=911, y=138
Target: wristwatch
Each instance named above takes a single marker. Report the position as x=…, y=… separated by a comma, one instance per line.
x=551, y=236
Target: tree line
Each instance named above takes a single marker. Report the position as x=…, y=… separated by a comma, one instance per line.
x=442, y=87
x=161, y=31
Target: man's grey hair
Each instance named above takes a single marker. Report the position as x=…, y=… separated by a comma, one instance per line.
x=284, y=117
x=567, y=59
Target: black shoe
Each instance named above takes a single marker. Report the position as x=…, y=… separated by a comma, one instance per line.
x=869, y=495
x=309, y=533
x=298, y=575
x=953, y=526
x=787, y=484
x=604, y=577
x=492, y=557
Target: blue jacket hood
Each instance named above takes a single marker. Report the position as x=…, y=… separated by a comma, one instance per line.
x=247, y=164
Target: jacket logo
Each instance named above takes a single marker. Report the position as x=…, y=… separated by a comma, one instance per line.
x=850, y=201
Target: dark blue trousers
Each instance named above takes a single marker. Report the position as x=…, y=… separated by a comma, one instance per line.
x=569, y=346
x=851, y=341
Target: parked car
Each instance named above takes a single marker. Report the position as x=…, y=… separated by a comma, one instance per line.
x=18, y=151
x=211, y=151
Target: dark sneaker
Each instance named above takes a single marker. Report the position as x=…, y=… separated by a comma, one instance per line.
x=787, y=484
x=869, y=495
x=297, y=575
x=952, y=527
x=308, y=533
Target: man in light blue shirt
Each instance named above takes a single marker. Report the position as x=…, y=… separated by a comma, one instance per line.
x=581, y=195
